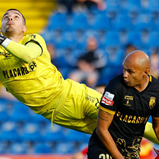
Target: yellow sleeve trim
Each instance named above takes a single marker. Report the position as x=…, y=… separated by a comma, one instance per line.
x=150, y=78
x=107, y=110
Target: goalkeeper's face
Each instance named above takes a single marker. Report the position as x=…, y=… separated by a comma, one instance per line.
x=13, y=23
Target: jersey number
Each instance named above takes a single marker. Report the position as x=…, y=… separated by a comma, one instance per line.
x=105, y=156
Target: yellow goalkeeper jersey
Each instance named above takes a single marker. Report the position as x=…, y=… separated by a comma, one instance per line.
x=37, y=84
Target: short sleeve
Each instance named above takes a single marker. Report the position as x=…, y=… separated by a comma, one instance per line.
x=112, y=95
x=155, y=111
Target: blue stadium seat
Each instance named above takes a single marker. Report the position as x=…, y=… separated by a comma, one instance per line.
x=67, y=40
x=122, y=22
x=9, y=131
x=81, y=39
x=75, y=136
x=153, y=6
x=143, y=22
x=112, y=39
x=53, y=134
x=42, y=148
x=64, y=148
x=3, y=148
x=153, y=39
x=3, y=110
x=18, y=148
x=82, y=146
x=20, y=112
x=101, y=22
x=108, y=73
x=79, y=21
x=113, y=6
x=115, y=58
x=132, y=6
x=155, y=24
x=31, y=132
x=37, y=118
x=134, y=38
x=57, y=21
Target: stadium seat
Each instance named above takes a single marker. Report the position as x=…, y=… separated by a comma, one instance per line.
x=57, y=21
x=65, y=41
x=101, y=22
x=81, y=38
x=9, y=131
x=115, y=57
x=113, y=6
x=143, y=22
x=122, y=22
x=18, y=148
x=42, y=148
x=68, y=40
x=79, y=22
x=3, y=148
x=3, y=110
x=112, y=39
x=53, y=134
x=82, y=146
x=153, y=39
x=37, y=118
x=132, y=6
x=155, y=24
x=64, y=148
x=20, y=112
x=134, y=38
x=108, y=73
x=153, y=6
x=31, y=132
x=74, y=136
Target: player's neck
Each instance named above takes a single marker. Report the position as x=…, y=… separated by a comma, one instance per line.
x=15, y=38
x=143, y=85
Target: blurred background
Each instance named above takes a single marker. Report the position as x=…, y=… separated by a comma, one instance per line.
x=87, y=41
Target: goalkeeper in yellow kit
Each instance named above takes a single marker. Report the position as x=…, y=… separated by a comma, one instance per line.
x=27, y=73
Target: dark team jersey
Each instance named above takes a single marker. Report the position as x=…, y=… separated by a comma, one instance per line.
x=132, y=110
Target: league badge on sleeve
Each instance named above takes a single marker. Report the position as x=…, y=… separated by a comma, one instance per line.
x=108, y=98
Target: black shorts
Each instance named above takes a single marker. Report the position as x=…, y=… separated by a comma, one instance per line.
x=96, y=152
x=96, y=149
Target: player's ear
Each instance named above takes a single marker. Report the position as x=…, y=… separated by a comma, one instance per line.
x=147, y=71
x=24, y=29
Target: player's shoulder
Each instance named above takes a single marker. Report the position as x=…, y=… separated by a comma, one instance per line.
x=118, y=80
x=34, y=36
x=154, y=81
x=117, y=83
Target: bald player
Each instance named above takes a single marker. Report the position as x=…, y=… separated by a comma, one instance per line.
x=128, y=101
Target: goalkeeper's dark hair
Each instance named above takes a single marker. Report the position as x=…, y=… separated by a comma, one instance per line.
x=19, y=12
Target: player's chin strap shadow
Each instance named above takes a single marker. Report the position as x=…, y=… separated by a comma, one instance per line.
x=157, y=151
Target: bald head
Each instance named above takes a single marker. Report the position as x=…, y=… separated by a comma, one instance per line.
x=136, y=67
x=139, y=59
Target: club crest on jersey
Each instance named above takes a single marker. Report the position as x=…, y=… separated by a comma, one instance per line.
x=108, y=98
x=128, y=98
x=152, y=102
